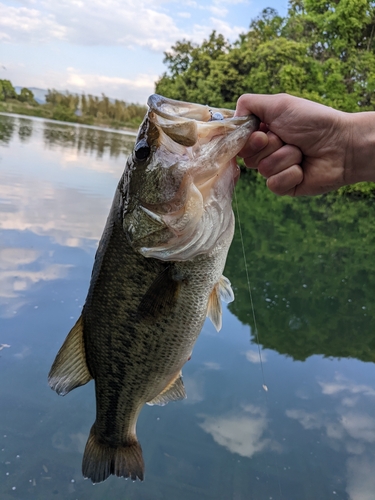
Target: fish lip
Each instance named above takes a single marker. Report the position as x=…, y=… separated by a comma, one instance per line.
x=173, y=110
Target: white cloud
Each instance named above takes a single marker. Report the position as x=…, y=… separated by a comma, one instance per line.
x=126, y=23
x=361, y=478
x=308, y=420
x=18, y=24
x=218, y=11
x=194, y=390
x=110, y=22
x=132, y=89
x=211, y=365
x=242, y=434
x=359, y=426
x=111, y=84
x=15, y=280
x=353, y=432
x=226, y=29
x=341, y=384
x=253, y=356
x=69, y=443
x=72, y=217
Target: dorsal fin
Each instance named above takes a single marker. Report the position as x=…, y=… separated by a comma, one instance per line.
x=69, y=370
x=174, y=391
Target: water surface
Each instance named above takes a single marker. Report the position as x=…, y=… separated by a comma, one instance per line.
x=311, y=267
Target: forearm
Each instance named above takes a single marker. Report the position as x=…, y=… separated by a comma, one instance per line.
x=360, y=157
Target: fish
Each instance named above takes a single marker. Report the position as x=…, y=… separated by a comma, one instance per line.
x=157, y=275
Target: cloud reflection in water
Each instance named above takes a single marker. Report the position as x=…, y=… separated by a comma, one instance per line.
x=242, y=433
x=346, y=428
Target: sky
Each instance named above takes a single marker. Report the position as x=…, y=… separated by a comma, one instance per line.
x=110, y=46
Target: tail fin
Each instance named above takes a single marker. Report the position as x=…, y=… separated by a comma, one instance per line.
x=101, y=460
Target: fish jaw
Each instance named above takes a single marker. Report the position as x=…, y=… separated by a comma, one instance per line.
x=179, y=199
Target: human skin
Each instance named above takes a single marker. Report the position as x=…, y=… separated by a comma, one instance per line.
x=306, y=148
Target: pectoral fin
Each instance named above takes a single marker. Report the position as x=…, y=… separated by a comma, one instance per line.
x=225, y=290
x=173, y=392
x=69, y=370
x=222, y=291
x=214, y=311
x=160, y=298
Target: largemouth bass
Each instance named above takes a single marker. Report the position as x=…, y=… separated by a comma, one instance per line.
x=157, y=275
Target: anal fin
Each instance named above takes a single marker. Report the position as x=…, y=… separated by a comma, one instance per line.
x=69, y=370
x=174, y=391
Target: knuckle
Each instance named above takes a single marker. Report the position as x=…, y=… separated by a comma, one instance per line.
x=274, y=141
x=265, y=167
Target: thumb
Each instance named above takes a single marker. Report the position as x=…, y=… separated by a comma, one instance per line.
x=265, y=107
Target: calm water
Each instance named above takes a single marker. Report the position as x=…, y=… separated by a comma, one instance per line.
x=312, y=273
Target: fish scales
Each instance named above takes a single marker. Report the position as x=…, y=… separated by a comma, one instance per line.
x=140, y=359
x=157, y=275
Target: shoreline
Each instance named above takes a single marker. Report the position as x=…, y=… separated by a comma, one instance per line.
x=132, y=132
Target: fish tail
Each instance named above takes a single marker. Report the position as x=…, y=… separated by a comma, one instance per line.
x=100, y=460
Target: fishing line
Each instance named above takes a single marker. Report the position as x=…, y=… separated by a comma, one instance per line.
x=218, y=116
x=256, y=333
x=250, y=292
x=264, y=385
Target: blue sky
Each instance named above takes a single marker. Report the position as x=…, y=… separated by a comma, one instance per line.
x=110, y=46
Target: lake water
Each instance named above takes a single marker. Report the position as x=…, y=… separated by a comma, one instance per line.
x=312, y=273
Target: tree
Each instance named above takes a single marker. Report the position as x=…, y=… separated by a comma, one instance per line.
x=311, y=276
x=323, y=50
x=26, y=95
x=7, y=90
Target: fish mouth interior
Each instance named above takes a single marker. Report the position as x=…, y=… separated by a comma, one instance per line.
x=192, y=125
x=171, y=109
x=196, y=145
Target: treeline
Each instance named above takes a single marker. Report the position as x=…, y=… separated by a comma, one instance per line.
x=322, y=50
x=7, y=91
x=311, y=275
x=86, y=109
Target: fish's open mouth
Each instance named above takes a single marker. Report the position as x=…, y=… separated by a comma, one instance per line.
x=172, y=110
x=185, y=198
x=189, y=124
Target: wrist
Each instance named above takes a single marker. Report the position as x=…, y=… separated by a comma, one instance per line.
x=360, y=152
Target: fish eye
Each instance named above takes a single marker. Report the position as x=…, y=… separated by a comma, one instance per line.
x=142, y=150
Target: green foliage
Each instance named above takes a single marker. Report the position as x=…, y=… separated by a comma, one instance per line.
x=69, y=107
x=89, y=109
x=311, y=270
x=26, y=95
x=63, y=114
x=7, y=90
x=322, y=50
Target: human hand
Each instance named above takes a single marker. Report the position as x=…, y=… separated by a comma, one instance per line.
x=305, y=148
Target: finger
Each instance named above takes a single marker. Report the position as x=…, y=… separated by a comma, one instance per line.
x=256, y=142
x=285, y=182
x=280, y=160
x=265, y=107
x=273, y=144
